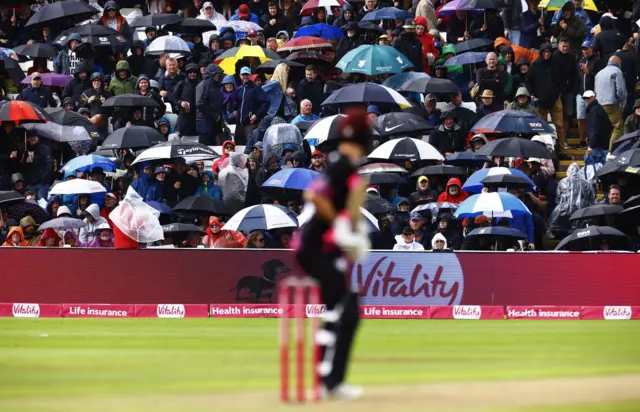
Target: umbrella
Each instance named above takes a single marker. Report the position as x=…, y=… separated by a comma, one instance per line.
x=88, y=162
x=398, y=81
x=10, y=196
x=130, y=100
x=466, y=58
x=307, y=9
x=591, y=238
x=466, y=159
x=626, y=142
x=439, y=170
x=387, y=13
x=262, y=217
x=507, y=181
x=629, y=158
x=557, y=4
x=167, y=44
x=189, y=151
x=309, y=210
x=374, y=60
x=156, y=19
x=450, y=8
x=96, y=35
x=381, y=168
x=277, y=136
x=241, y=26
x=514, y=147
x=28, y=207
x=512, y=121
x=292, y=178
x=395, y=123
x=435, y=208
x=462, y=114
x=632, y=201
x=55, y=14
x=76, y=186
x=227, y=60
x=497, y=231
x=471, y=45
x=134, y=137
x=307, y=57
x=614, y=169
x=51, y=79
x=173, y=228
x=367, y=93
x=304, y=43
x=496, y=202
x=406, y=149
x=271, y=65
x=379, y=178
x=19, y=111
x=378, y=205
x=191, y=26
x=596, y=211
x=371, y=27
x=70, y=118
x=59, y=133
x=320, y=30
x=63, y=223
x=479, y=4
x=203, y=205
x=323, y=130
x=430, y=85
x=474, y=183
x=40, y=50
x=161, y=207
x=12, y=69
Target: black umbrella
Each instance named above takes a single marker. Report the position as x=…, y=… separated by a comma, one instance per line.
x=497, y=232
x=591, y=238
x=67, y=12
x=378, y=205
x=189, y=151
x=28, y=208
x=466, y=159
x=462, y=114
x=431, y=85
x=191, y=26
x=307, y=57
x=401, y=123
x=12, y=69
x=506, y=180
x=472, y=45
x=40, y=50
x=130, y=100
x=631, y=215
x=626, y=142
x=70, y=118
x=626, y=164
x=629, y=158
x=156, y=19
x=366, y=93
x=439, y=170
x=371, y=27
x=269, y=66
x=511, y=121
x=514, y=147
x=173, y=228
x=596, y=211
x=384, y=179
x=632, y=201
x=60, y=133
x=134, y=137
x=96, y=35
x=10, y=196
x=203, y=205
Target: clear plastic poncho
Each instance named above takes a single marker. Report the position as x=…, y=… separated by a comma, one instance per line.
x=574, y=192
x=136, y=219
x=234, y=179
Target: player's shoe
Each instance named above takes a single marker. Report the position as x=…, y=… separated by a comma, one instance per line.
x=343, y=392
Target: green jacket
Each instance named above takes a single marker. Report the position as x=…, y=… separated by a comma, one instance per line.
x=128, y=85
x=523, y=108
x=631, y=123
x=448, y=49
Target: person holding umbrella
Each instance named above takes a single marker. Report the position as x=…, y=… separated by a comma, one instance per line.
x=36, y=93
x=93, y=97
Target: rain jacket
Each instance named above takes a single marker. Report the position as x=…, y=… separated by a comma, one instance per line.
x=150, y=114
x=253, y=100
x=579, y=13
x=543, y=82
x=223, y=239
x=610, y=86
x=234, y=179
x=15, y=229
x=62, y=63
x=48, y=233
x=229, y=103
x=632, y=122
x=148, y=187
x=448, y=140
x=609, y=40
x=40, y=171
x=436, y=237
x=141, y=64
x=403, y=246
x=576, y=30
x=574, y=192
x=428, y=45
x=599, y=127
x=515, y=105
x=346, y=44
x=283, y=23
x=446, y=197
x=76, y=86
x=313, y=91
x=451, y=70
x=87, y=233
x=121, y=24
x=128, y=85
x=208, y=103
x=279, y=103
x=38, y=95
x=342, y=21
x=209, y=188
x=252, y=17
x=219, y=161
x=519, y=52
x=409, y=45
x=95, y=243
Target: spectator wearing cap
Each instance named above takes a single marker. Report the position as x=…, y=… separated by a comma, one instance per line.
x=410, y=46
x=402, y=215
x=492, y=78
x=609, y=40
x=317, y=161
x=244, y=14
x=611, y=92
x=598, y=125
x=350, y=41
x=425, y=9
x=311, y=88
x=423, y=194
x=274, y=21
x=416, y=223
x=178, y=184
x=431, y=113
x=37, y=94
x=208, y=106
x=571, y=27
x=184, y=95
x=306, y=113
x=383, y=40
x=449, y=137
x=490, y=104
x=112, y=18
x=210, y=14
x=253, y=104
x=588, y=66
x=407, y=241
x=373, y=112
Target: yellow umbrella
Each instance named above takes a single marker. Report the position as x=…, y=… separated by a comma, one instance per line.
x=227, y=60
x=557, y=4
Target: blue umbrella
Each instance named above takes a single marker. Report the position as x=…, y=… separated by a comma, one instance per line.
x=467, y=58
x=497, y=231
x=466, y=159
x=374, y=60
x=474, y=182
x=400, y=81
x=320, y=30
x=512, y=121
x=490, y=203
x=88, y=162
x=160, y=207
x=292, y=178
x=387, y=13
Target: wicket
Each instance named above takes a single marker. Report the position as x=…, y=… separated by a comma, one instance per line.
x=303, y=290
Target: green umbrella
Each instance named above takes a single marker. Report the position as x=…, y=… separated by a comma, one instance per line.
x=373, y=60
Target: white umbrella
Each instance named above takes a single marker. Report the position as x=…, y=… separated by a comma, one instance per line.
x=77, y=186
x=406, y=149
x=167, y=44
x=63, y=223
x=262, y=217
x=323, y=129
x=189, y=151
x=309, y=209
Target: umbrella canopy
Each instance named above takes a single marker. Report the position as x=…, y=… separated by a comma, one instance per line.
x=88, y=162
x=497, y=232
x=51, y=79
x=28, y=208
x=167, y=44
x=309, y=210
x=292, y=178
x=70, y=118
x=507, y=181
x=368, y=93
x=380, y=178
x=161, y=207
x=430, y=85
x=134, y=137
x=262, y=217
x=387, y=13
x=12, y=69
x=323, y=130
x=77, y=186
x=435, y=208
x=406, y=149
x=397, y=82
x=632, y=201
x=369, y=26
x=474, y=183
x=626, y=142
x=307, y=9
x=59, y=133
x=191, y=26
x=271, y=65
x=598, y=210
x=591, y=238
x=96, y=35
x=156, y=19
x=241, y=26
x=203, y=205
x=381, y=168
x=304, y=43
x=396, y=123
x=439, y=170
x=515, y=147
x=10, y=196
x=172, y=228
x=227, y=60
x=130, y=100
x=59, y=12
x=39, y=50
x=320, y=30
x=374, y=60
x=557, y=4
x=496, y=202
x=450, y=8
x=512, y=121
x=63, y=223
x=19, y=112
x=613, y=169
x=378, y=205
x=466, y=58
x=466, y=159
x=471, y=45
x=189, y=151
x=280, y=136
x=480, y=4
x=307, y=57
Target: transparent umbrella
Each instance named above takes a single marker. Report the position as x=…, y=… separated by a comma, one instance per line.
x=278, y=137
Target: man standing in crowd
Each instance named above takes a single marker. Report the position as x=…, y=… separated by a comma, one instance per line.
x=588, y=67
x=598, y=125
x=611, y=92
x=311, y=88
x=169, y=79
x=208, y=106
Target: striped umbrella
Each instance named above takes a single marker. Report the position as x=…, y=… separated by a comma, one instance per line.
x=406, y=149
x=262, y=217
x=323, y=130
x=309, y=210
x=474, y=182
x=490, y=203
x=367, y=93
x=88, y=162
x=19, y=111
x=435, y=207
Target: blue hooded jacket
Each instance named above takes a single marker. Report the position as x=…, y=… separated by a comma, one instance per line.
x=148, y=187
x=253, y=100
x=209, y=188
x=274, y=94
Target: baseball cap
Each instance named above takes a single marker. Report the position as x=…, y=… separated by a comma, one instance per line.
x=111, y=195
x=243, y=10
x=316, y=153
x=415, y=216
x=251, y=33
x=534, y=160
x=588, y=94
x=409, y=24
x=611, y=16
x=176, y=56
x=422, y=179
x=586, y=44
x=372, y=108
x=207, y=5
x=36, y=75
x=245, y=70
x=159, y=170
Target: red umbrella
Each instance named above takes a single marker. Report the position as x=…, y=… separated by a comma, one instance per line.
x=19, y=111
x=304, y=43
x=307, y=9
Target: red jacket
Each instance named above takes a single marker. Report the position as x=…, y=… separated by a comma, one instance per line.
x=216, y=164
x=428, y=45
x=446, y=197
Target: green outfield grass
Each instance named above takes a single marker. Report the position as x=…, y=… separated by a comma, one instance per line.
x=69, y=358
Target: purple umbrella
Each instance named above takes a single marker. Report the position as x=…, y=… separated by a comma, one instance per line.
x=51, y=79
x=450, y=9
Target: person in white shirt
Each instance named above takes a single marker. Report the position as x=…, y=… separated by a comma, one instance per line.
x=407, y=241
x=439, y=243
x=93, y=220
x=209, y=13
